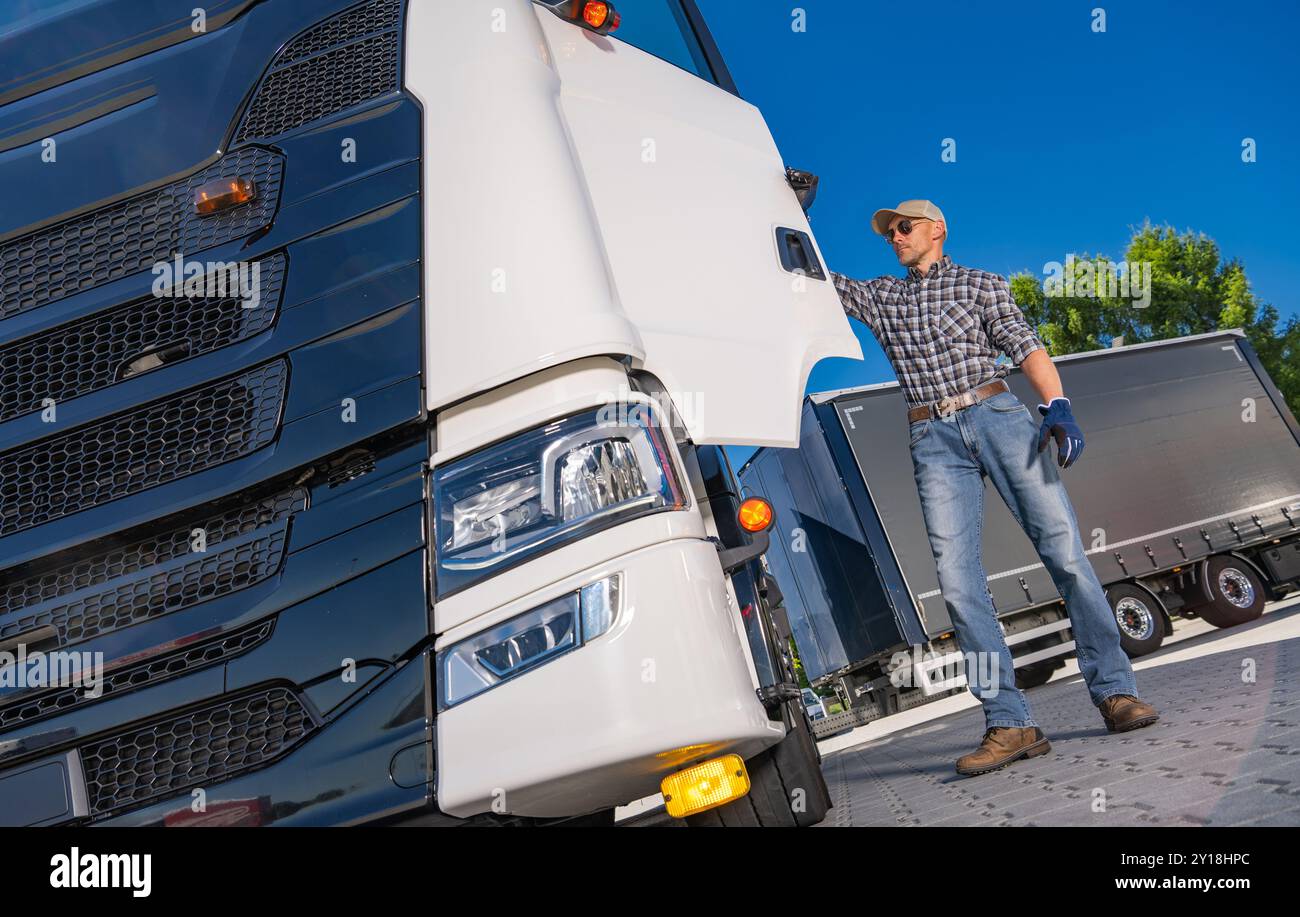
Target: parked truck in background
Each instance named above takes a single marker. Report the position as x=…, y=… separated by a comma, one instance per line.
x=1188, y=503
x=427, y=521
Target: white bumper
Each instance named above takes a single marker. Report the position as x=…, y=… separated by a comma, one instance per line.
x=599, y=726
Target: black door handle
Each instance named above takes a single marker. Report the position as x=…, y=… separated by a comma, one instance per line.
x=795, y=249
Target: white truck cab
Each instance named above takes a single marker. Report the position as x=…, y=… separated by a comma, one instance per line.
x=594, y=212
x=366, y=371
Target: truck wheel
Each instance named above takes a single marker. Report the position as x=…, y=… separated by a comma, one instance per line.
x=1140, y=616
x=1036, y=675
x=1239, y=594
x=787, y=788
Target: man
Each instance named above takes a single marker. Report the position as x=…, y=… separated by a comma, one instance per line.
x=942, y=327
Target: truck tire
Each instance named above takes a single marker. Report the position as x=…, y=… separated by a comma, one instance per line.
x=1036, y=675
x=787, y=789
x=1239, y=593
x=1140, y=616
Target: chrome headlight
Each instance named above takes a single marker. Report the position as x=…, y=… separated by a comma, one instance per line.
x=547, y=487
x=526, y=641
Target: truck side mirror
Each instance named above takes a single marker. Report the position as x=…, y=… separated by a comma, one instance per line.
x=804, y=185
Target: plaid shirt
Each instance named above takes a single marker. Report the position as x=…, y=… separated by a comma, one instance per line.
x=942, y=331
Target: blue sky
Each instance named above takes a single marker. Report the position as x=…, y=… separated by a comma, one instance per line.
x=1065, y=138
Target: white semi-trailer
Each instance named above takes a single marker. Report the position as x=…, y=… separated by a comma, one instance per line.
x=1188, y=504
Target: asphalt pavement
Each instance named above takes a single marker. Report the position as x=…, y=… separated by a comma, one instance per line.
x=1226, y=750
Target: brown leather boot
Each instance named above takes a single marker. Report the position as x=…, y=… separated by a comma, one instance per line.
x=1123, y=712
x=1001, y=746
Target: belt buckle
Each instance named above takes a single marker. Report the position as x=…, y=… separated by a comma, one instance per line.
x=945, y=406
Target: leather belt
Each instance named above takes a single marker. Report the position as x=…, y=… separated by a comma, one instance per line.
x=953, y=403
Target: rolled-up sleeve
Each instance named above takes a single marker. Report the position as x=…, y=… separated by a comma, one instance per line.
x=1004, y=322
x=857, y=297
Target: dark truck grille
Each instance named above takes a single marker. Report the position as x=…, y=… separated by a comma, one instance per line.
x=91, y=354
x=139, y=449
x=342, y=62
x=208, y=575
x=205, y=745
x=30, y=707
x=153, y=576
x=120, y=239
x=102, y=568
x=348, y=25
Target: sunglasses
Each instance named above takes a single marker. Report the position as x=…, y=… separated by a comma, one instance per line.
x=905, y=227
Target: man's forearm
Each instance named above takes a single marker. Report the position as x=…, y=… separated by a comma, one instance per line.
x=855, y=297
x=1041, y=371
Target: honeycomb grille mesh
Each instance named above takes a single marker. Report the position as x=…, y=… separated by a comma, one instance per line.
x=139, y=449
x=100, y=569
x=350, y=24
x=202, y=746
x=30, y=708
x=342, y=62
x=88, y=355
x=211, y=574
x=123, y=238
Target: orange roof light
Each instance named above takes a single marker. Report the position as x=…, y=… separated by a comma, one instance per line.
x=755, y=514
x=222, y=194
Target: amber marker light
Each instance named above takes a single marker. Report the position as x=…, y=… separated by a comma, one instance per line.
x=597, y=16
x=600, y=16
x=705, y=786
x=222, y=194
x=755, y=514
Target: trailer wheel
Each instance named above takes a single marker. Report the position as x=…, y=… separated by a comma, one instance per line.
x=787, y=788
x=1239, y=593
x=1140, y=616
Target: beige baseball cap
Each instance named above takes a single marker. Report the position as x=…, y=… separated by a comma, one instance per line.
x=915, y=209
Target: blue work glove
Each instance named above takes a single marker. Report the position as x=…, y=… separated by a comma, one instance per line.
x=1058, y=422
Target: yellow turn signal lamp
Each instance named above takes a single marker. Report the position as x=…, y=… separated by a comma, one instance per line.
x=705, y=786
x=755, y=514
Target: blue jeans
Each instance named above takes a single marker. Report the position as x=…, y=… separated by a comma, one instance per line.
x=998, y=438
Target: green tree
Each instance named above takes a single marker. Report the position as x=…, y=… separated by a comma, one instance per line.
x=801, y=676
x=1193, y=291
